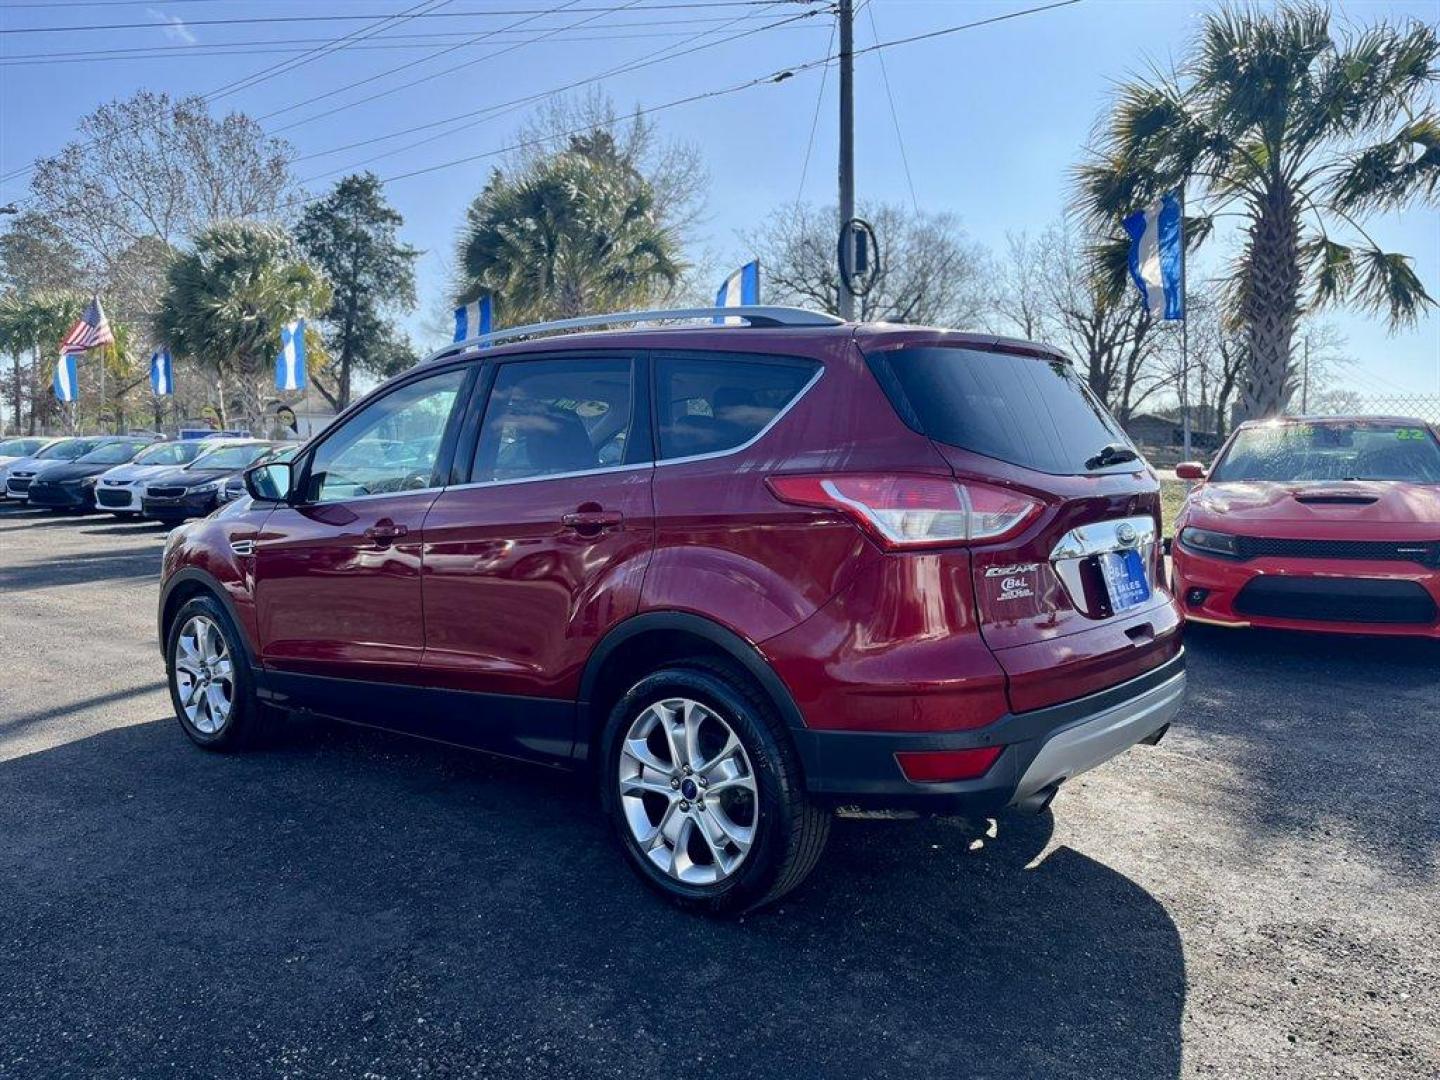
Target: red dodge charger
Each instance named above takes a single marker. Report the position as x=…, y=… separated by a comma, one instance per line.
x=1316, y=524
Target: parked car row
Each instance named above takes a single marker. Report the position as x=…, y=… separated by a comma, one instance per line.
x=131, y=475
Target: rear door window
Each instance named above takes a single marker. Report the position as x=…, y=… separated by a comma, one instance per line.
x=1032, y=411
x=708, y=406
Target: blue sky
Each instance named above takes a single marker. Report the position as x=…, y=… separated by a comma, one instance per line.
x=992, y=118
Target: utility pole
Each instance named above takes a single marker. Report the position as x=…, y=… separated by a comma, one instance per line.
x=1184, y=333
x=846, y=13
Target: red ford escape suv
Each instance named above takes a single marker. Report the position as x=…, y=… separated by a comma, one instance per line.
x=748, y=575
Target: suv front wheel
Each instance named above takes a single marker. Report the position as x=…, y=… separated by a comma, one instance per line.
x=704, y=790
x=210, y=683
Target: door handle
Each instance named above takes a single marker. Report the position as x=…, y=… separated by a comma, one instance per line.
x=590, y=522
x=383, y=532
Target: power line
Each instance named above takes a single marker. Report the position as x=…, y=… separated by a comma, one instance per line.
x=271, y=19
x=258, y=46
x=568, y=5
x=814, y=122
x=341, y=43
x=250, y=80
x=894, y=116
x=489, y=112
x=775, y=77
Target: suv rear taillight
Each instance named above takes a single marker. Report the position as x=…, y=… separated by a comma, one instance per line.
x=904, y=511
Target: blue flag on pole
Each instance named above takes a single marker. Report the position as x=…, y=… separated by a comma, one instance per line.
x=67, y=384
x=740, y=289
x=162, y=372
x=290, y=364
x=472, y=320
x=1157, y=256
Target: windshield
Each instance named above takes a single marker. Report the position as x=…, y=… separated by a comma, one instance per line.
x=67, y=451
x=20, y=447
x=1028, y=410
x=115, y=453
x=169, y=453
x=230, y=457
x=1346, y=450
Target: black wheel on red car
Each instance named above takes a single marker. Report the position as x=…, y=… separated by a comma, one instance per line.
x=704, y=790
x=211, y=686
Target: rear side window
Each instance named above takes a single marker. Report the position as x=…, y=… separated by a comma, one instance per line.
x=1027, y=410
x=710, y=406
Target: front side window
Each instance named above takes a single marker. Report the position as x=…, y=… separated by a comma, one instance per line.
x=550, y=417
x=391, y=445
x=709, y=406
x=1339, y=450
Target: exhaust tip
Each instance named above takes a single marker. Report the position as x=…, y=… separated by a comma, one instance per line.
x=1038, y=802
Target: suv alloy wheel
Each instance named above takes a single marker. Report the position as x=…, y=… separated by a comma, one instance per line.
x=704, y=790
x=210, y=682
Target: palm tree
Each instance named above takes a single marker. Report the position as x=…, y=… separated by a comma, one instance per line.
x=226, y=300
x=574, y=233
x=1302, y=132
x=34, y=324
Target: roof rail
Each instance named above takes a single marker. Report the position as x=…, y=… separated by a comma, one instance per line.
x=753, y=315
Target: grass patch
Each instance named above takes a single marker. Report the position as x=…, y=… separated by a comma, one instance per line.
x=1172, y=497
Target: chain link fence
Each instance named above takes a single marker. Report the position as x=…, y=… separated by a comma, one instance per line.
x=1412, y=406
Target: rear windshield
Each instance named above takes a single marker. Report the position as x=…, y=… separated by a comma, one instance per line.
x=1027, y=410
x=1347, y=450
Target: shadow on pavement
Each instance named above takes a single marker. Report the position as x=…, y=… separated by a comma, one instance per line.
x=77, y=569
x=350, y=900
x=13, y=724
x=1361, y=756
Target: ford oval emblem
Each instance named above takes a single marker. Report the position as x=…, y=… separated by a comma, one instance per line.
x=1125, y=533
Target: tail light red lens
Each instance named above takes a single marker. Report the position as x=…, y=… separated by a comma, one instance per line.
x=938, y=766
x=908, y=511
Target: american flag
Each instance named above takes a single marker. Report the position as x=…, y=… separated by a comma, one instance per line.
x=90, y=330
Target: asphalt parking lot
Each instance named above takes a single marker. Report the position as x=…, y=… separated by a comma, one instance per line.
x=1256, y=896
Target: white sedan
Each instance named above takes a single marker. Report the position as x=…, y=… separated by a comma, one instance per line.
x=17, y=449
x=119, y=490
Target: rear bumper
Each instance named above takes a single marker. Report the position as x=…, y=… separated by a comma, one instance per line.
x=1042, y=747
x=1339, y=596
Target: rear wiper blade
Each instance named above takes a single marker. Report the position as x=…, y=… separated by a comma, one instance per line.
x=1111, y=454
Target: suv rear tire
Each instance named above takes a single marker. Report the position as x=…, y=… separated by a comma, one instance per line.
x=211, y=687
x=734, y=800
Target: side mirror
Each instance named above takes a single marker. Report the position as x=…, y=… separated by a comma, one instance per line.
x=1190, y=470
x=270, y=482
